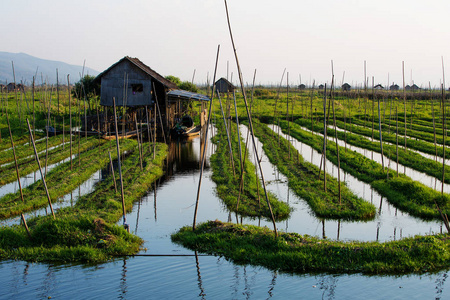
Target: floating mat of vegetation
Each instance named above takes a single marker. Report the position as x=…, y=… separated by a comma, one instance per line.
x=60, y=180
x=292, y=252
x=252, y=201
x=371, y=172
x=304, y=180
x=407, y=158
x=29, y=165
x=88, y=231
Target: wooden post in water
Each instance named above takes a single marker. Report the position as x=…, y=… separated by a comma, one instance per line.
x=125, y=225
x=250, y=121
x=149, y=132
x=205, y=142
x=396, y=135
x=159, y=113
x=40, y=170
x=443, y=138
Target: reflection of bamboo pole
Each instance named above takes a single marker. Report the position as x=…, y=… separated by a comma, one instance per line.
x=125, y=225
x=250, y=121
x=205, y=142
x=40, y=169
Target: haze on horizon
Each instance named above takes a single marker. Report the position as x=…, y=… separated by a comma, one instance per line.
x=174, y=37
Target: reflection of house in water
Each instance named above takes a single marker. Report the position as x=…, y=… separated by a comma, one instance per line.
x=184, y=155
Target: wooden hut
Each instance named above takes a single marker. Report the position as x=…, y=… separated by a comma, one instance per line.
x=136, y=86
x=346, y=87
x=224, y=86
x=394, y=87
x=302, y=87
x=378, y=87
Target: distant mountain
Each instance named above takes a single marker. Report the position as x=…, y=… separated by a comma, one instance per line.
x=25, y=67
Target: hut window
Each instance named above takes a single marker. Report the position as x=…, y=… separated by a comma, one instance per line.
x=137, y=88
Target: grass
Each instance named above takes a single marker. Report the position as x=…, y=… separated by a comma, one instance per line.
x=292, y=252
x=86, y=232
x=372, y=173
x=252, y=200
x=304, y=180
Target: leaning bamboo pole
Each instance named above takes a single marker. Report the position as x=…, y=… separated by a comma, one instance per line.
x=228, y=134
x=238, y=134
x=205, y=142
x=250, y=120
x=381, y=135
x=337, y=149
x=40, y=170
x=125, y=225
x=70, y=122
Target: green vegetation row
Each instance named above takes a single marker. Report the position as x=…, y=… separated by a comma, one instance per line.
x=292, y=252
x=60, y=180
x=404, y=193
x=407, y=158
x=419, y=145
x=304, y=180
x=87, y=232
x=252, y=201
x=26, y=149
x=30, y=165
x=425, y=136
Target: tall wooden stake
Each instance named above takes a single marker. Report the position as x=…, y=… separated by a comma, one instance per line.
x=125, y=225
x=40, y=170
x=205, y=142
x=250, y=121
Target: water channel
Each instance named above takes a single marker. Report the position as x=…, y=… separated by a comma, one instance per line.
x=160, y=213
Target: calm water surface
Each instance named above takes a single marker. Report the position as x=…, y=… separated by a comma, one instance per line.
x=156, y=217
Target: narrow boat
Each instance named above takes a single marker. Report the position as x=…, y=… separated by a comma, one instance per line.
x=186, y=127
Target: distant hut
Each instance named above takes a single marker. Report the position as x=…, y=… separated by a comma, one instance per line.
x=302, y=87
x=414, y=87
x=224, y=86
x=346, y=87
x=11, y=87
x=407, y=87
x=321, y=87
x=378, y=87
x=394, y=87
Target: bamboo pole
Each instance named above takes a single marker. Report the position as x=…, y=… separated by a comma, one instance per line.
x=125, y=225
x=250, y=120
x=149, y=132
x=205, y=141
x=434, y=123
x=396, y=135
x=15, y=157
x=112, y=171
x=228, y=134
x=40, y=170
x=159, y=113
x=139, y=144
x=238, y=134
x=70, y=122
x=337, y=150
x=443, y=139
x=15, y=91
x=404, y=97
x=381, y=135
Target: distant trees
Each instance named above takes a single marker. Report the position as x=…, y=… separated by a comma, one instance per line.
x=183, y=85
x=86, y=86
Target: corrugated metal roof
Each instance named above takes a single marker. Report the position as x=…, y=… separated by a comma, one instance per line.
x=185, y=95
x=146, y=69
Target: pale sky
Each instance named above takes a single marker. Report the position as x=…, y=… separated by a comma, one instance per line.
x=174, y=37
